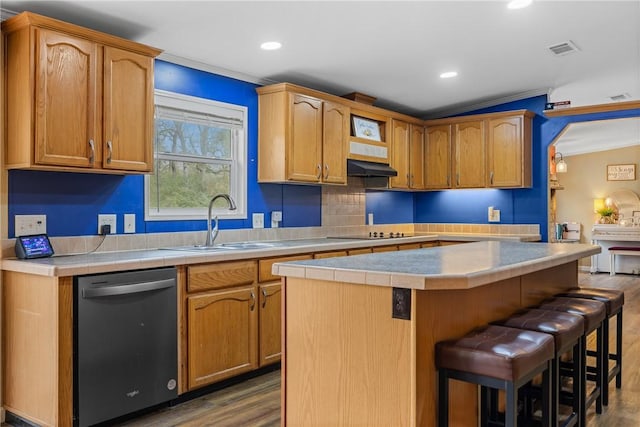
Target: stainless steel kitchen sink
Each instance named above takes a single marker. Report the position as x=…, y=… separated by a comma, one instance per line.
x=224, y=247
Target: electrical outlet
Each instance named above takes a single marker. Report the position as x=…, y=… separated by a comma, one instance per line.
x=129, y=223
x=258, y=220
x=276, y=218
x=493, y=214
x=107, y=219
x=30, y=224
x=401, y=303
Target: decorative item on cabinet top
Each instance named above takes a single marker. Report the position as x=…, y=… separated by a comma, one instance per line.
x=109, y=109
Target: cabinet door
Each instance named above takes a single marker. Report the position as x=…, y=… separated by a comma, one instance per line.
x=335, y=134
x=304, y=152
x=469, y=155
x=128, y=111
x=416, y=157
x=505, y=152
x=66, y=125
x=437, y=157
x=400, y=154
x=222, y=335
x=270, y=330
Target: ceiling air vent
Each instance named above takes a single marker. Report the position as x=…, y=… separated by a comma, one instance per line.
x=565, y=48
x=620, y=97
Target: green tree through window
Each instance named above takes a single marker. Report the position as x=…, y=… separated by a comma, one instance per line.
x=199, y=152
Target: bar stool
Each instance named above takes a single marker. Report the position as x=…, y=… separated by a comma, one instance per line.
x=567, y=330
x=593, y=314
x=613, y=300
x=496, y=358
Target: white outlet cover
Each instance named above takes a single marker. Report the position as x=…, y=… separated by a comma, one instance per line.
x=107, y=219
x=258, y=220
x=129, y=223
x=30, y=224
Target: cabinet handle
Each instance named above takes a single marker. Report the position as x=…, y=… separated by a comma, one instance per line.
x=319, y=171
x=93, y=151
x=458, y=179
x=491, y=178
x=326, y=171
x=109, y=151
x=448, y=180
x=253, y=301
x=264, y=297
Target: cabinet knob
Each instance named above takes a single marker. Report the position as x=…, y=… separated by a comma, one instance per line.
x=92, y=154
x=109, y=151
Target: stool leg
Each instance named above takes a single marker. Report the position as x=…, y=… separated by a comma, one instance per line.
x=511, y=407
x=484, y=406
x=443, y=398
x=578, y=379
x=605, y=361
x=619, y=349
x=599, y=368
x=583, y=382
x=555, y=389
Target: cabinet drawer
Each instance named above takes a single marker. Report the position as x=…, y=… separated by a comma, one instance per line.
x=385, y=248
x=220, y=275
x=359, y=251
x=406, y=246
x=264, y=266
x=331, y=254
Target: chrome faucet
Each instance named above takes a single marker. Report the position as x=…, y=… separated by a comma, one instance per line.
x=213, y=233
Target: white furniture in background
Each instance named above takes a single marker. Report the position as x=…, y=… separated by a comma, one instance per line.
x=613, y=235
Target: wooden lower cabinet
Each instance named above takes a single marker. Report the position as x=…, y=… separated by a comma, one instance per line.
x=270, y=343
x=222, y=334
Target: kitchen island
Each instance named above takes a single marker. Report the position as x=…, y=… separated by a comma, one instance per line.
x=359, y=332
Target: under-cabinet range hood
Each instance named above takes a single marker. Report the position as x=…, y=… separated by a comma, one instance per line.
x=369, y=169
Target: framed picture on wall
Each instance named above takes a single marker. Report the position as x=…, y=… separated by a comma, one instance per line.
x=622, y=172
x=363, y=128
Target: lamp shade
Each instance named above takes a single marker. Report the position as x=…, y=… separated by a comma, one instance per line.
x=561, y=166
x=598, y=204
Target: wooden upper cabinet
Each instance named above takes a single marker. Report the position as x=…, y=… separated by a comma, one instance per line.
x=76, y=99
x=437, y=157
x=66, y=116
x=301, y=138
x=509, y=151
x=335, y=134
x=304, y=153
x=407, y=155
x=128, y=110
x=400, y=154
x=416, y=156
x=469, y=154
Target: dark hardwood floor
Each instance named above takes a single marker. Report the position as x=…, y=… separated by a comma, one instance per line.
x=256, y=402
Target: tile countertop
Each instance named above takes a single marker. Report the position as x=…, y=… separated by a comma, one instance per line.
x=446, y=267
x=103, y=262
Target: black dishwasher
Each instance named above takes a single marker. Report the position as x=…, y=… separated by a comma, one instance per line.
x=125, y=343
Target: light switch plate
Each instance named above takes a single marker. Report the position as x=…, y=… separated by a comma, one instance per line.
x=30, y=224
x=129, y=223
x=258, y=220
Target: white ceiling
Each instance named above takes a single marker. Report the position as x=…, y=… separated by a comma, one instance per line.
x=601, y=135
x=392, y=50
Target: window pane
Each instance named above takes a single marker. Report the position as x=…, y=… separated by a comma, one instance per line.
x=179, y=184
x=180, y=137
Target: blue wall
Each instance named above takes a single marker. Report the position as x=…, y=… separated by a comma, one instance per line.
x=72, y=201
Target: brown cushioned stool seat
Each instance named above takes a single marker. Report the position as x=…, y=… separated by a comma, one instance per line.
x=495, y=357
x=613, y=300
x=593, y=313
x=567, y=330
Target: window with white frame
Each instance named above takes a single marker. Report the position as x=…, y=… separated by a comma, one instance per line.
x=200, y=150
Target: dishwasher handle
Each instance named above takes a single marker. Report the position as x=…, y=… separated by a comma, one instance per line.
x=107, y=291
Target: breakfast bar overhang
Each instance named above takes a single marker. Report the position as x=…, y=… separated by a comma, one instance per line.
x=354, y=356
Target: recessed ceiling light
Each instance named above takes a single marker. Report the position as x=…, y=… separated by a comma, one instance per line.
x=271, y=45
x=519, y=4
x=448, y=74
